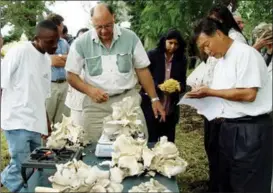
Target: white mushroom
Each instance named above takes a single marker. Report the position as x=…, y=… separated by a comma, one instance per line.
x=115, y=187
x=106, y=163
x=90, y=180
x=151, y=173
x=116, y=175
x=103, y=182
x=173, y=167
x=125, y=118
x=98, y=188
x=76, y=176
x=101, y=174
x=131, y=164
x=127, y=145
x=166, y=160
x=151, y=186
x=147, y=156
x=165, y=149
x=66, y=131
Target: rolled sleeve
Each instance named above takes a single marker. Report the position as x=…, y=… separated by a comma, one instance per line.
x=140, y=57
x=75, y=61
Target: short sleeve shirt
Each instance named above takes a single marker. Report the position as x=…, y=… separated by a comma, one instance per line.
x=25, y=83
x=109, y=69
x=203, y=74
x=243, y=67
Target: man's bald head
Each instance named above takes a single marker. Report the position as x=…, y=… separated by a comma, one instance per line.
x=103, y=20
x=102, y=8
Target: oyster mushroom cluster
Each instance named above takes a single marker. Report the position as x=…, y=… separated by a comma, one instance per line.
x=164, y=158
x=67, y=134
x=132, y=157
x=125, y=119
x=170, y=86
x=76, y=176
x=150, y=186
x=127, y=158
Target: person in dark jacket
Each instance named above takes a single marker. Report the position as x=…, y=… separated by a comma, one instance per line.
x=167, y=61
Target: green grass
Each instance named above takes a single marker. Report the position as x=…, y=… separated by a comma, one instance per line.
x=4, y=152
x=4, y=156
x=189, y=140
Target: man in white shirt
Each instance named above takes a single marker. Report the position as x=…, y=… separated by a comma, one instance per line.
x=25, y=84
x=110, y=56
x=245, y=133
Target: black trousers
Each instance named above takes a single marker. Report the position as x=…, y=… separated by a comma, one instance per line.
x=244, y=153
x=158, y=129
x=211, y=143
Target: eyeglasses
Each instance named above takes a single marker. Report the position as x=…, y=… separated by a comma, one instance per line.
x=106, y=27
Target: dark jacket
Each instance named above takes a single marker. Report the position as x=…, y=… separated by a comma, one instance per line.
x=157, y=69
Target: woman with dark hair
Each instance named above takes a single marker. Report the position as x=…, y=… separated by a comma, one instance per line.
x=203, y=74
x=167, y=61
x=222, y=14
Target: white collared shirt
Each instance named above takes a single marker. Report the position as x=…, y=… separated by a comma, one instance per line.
x=243, y=67
x=25, y=83
x=203, y=74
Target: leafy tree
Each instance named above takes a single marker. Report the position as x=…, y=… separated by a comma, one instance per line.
x=157, y=17
x=23, y=15
x=135, y=9
x=255, y=12
x=151, y=18
x=14, y=36
x=120, y=8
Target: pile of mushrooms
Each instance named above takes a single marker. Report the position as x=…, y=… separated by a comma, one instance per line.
x=67, y=135
x=125, y=119
x=76, y=176
x=132, y=157
x=126, y=158
x=164, y=158
x=150, y=186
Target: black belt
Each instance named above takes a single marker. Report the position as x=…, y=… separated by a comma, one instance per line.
x=126, y=90
x=58, y=81
x=242, y=119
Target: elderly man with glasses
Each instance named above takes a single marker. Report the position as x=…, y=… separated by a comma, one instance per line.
x=110, y=56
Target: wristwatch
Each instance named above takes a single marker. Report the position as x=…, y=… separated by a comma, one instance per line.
x=154, y=99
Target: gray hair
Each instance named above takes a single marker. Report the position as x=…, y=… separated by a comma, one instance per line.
x=263, y=30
